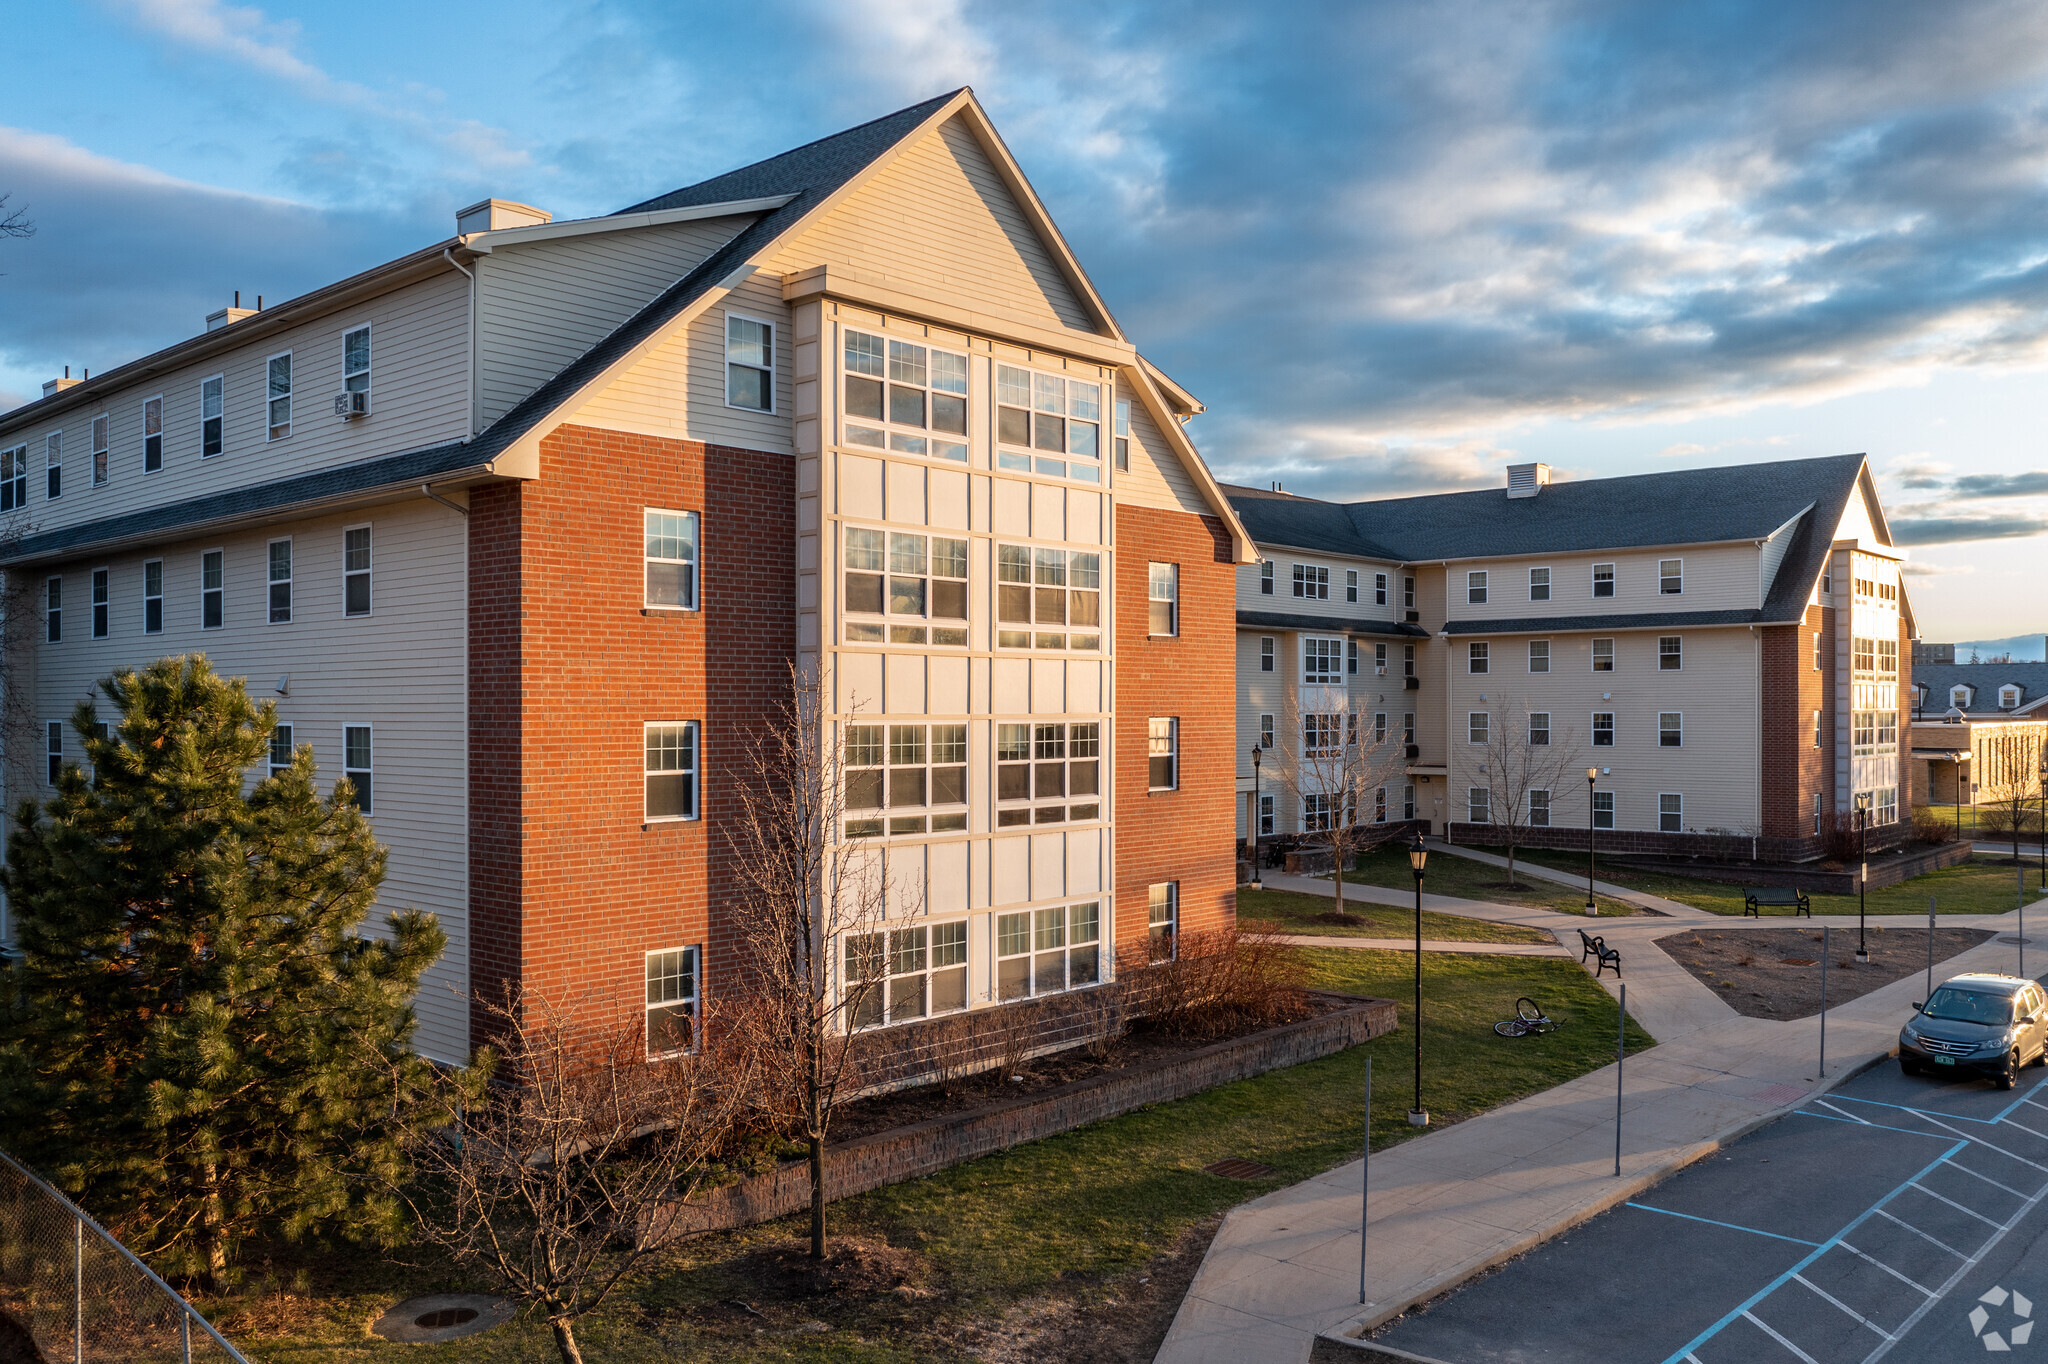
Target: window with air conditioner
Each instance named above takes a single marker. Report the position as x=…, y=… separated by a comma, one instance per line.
x=354, y=400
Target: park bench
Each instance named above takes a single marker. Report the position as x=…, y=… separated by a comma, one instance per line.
x=1755, y=896
x=1597, y=948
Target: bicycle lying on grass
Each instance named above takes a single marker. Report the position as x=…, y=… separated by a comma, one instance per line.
x=1528, y=1021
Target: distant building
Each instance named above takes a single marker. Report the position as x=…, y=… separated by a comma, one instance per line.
x=1979, y=730
x=1924, y=652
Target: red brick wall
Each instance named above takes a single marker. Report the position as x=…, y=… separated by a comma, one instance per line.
x=1907, y=795
x=1793, y=769
x=571, y=887
x=1190, y=834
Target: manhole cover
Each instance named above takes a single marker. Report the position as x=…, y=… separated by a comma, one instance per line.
x=2014, y=940
x=1239, y=1169
x=442, y=1316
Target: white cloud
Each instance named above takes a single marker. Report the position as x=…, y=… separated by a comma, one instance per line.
x=1915, y=569
x=1683, y=448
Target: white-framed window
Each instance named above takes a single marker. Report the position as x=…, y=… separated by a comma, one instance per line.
x=1266, y=578
x=1603, y=655
x=1476, y=656
x=1670, y=813
x=1265, y=815
x=1379, y=660
x=895, y=582
x=355, y=368
x=1539, y=655
x=1265, y=731
x=1478, y=805
x=1475, y=587
x=1318, y=812
x=1265, y=653
x=1350, y=584
x=1408, y=592
x=1051, y=415
x=1408, y=801
x=1408, y=660
x=1041, y=767
x=1123, y=433
x=1311, y=582
x=1162, y=919
x=1603, y=729
x=1539, y=809
x=1477, y=726
x=1816, y=729
x=212, y=408
x=1162, y=594
x=1045, y=951
x=1539, y=584
x=358, y=765
x=1351, y=658
x=671, y=769
x=53, y=466
x=670, y=548
x=1539, y=729
x=1817, y=811
x=1321, y=734
x=1886, y=806
x=1670, y=577
x=1379, y=726
x=1408, y=727
x=912, y=776
x=1379, y=589
x=100, y=456
x=918, y=391
x=153, y=434
x=1603, y=809
x=13, y=478
x=53, y=751
x=355, y=571
x=749, y=363
x=278, y=395
x=1670, y=729
x=1959, y=697
x=909, y=973
x=2008, y=698
x=102, y=602
x=1603, y=580
x=280, y=748
x=1322, y=660
x=153, y=596
x=1162, y=753
x=1379, y=805
x=1887, y=661
x=212, y=589
x=1058, y=591
x=671, y=1002
x=281, y=582
x=1670, y=653
x=53, y=610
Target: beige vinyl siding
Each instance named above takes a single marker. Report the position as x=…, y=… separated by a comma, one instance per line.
x=1772, y=557
x=541, y=304
x=1858, y=521
x=939, y=221
x=402, y=669
x=1717, y=578
x=419, y=397
x=1156, y=477
x=1249, y=598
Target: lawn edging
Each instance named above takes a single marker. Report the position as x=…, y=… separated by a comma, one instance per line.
x=923, y=1148
x=1886, y=871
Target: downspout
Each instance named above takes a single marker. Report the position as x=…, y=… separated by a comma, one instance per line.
x=448, y=254
x=427, y=490
x=1756, y=642
x=1450, y=746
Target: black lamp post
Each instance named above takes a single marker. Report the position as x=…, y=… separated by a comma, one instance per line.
x=2041, y=825
x=1418, y=1116
x=1955, y=794
x=1592, y=777
x=1862, y=871
x=1255, y=819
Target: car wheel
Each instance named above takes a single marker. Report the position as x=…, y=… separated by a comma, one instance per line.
x=2009, y=1073
x=1908, y=1066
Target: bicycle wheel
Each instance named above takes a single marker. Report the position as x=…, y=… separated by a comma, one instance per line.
x=1511, y=1027
x=1528, y=1010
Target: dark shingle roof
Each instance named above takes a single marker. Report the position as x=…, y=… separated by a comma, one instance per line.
x=1987, y=678
x=1283, y=620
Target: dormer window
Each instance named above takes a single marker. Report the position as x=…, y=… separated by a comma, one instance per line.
x=2009, y=697
x=1959, y=697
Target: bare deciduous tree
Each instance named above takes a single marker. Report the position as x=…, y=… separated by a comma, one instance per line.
x=550, y=1164
x=14, y=222
x=1521, y=759
x=812, y=889
x=1339, y=776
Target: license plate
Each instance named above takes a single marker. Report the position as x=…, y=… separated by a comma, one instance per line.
x=1944, y=1060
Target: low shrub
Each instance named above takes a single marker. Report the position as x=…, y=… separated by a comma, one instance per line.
x=1929, y=827
x=1219, y=982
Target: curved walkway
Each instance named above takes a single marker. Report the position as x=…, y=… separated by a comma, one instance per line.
x=1473, y=949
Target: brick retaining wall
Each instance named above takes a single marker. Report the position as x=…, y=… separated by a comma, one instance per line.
x=1889, y=872
x=926, y=1147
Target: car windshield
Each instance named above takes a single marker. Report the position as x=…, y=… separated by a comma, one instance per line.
x=1970, y=1006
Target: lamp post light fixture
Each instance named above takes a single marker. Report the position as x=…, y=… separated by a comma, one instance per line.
x=1592, y=777
x=1418, y=855
x=1863, y=799
x=1256, y=882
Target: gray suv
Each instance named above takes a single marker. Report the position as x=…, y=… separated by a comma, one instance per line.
x=1981, y=1023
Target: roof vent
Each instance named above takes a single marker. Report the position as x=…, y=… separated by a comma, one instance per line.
x=54, y=386
x=1276, y=485
x=495, y=215
x=1526, y=480
x=234, y=312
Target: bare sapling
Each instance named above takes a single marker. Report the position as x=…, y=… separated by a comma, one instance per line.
x=1345, y=767
x=1527, y=764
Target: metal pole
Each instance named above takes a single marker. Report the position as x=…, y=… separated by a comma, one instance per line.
x=1862, y=882
x=1620, y=1054
x=77, y=1290
x=1592, y=905
x=1930, y=948
x=1418, y=1116
x=1824, y=1000
x=1365, y=1182
x=185, y=1333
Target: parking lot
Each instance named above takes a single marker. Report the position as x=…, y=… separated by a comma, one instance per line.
x=1895, y=1219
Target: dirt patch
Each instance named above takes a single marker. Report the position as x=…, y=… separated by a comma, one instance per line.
x=853, y=1267
x=1775, y=972
x=16, y=1345
x=1117, y=1320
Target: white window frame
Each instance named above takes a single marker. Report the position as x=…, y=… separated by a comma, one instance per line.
x=366, y=572
x=1816, y=729
x=1407, y=592
x=102, y=602
x=693, y=774
x=1818, y=811
x=1676, y=651
x=1478, y=657
x=1162, y=920
x=1170, y=581
x=1265, y=731
x=1266, y=578
x=1051, y=932
x=1610, y=731
x=102, y=450
x=271, y=764
x=1320, y=676
x=1542, y=729
x=907, y=367
x=53, y=466
x=221, y=591
x=912, y=560
x=694, y=526
x=275, y=430
x=1312, y=582
x=53, y=752
x=1820, y=639
x=153, y=416
x=1318, y=811
x=14, y=478
x=271, y=582
x=900, y=956
x=155, y=598
x=1670, y=571
x=1475, y=587
x=1613, y=581
x=369, y=369
x=1597, y=655
x=1539, y=654
x=1162, y=739
x=1266, y=653
x=1671, y=808
x=351, y=770
x=1677, y=729
x=1266, y=815
x=1538, y=808
x=1539, y=588
x=1121, y=433
x=774, y=335
x=53, y=609
x=1350, y=585
x=1612, y=811
x=1055, y=397
x=1478, y=726
x=1960, y=697
x=687, y=1002
x=2008, y=697
x=219, y=384
x=1478, y=805
x=1379, y=589
x=931, y=753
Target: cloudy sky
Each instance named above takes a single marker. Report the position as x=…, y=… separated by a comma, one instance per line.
x=1392, y=246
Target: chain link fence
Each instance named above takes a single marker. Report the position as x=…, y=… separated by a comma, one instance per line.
x=79, y=1295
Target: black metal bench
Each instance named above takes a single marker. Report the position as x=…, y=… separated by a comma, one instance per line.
x=1777, y=896
x=1597, y=948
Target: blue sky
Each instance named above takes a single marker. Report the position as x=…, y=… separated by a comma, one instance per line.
x=1393, y=247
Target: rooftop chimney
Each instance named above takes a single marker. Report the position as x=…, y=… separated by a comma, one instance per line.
x=59, y=385
x=495, y=215
x=1526, y=480
x=234, y=312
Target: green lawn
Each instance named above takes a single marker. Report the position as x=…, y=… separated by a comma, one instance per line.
x=1975, y=819
x=1297, y=913
x=1449, y=874
x=1978, y=886
x=1070, y=1225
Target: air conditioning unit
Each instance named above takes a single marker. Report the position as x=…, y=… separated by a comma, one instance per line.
x=348, y=405
x=1379, y=670
x=1414, y=684
x=1414, y=751
x=1413, y=616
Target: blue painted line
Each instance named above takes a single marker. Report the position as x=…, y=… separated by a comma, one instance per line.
x=1677, y=1356
x=1995, y=1119
x=1873, y=1126
x=1730, y=1225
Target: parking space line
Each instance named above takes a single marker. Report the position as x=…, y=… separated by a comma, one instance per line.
x=1759, y=1323
x=1979, y=1141
x=1924, y=1236
x=1852, y=1312
x=2002, y=1115
x=1850, y=1116
x=1875, y=1126
x=1730, y=1225
x=2024, y=1128
x=1967, y=1212
x=1953, y=1165
x=1910, y=1283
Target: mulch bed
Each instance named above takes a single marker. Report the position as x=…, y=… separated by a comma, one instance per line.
x=1775, y=972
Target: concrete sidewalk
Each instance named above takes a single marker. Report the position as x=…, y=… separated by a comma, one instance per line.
x=1473, y=949
x=1446, y=1205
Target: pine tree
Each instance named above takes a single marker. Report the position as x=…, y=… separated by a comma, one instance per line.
x=186, y=1048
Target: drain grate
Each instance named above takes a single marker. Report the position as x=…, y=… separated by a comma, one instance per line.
x=442, y=1318
x=1235, y=1168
